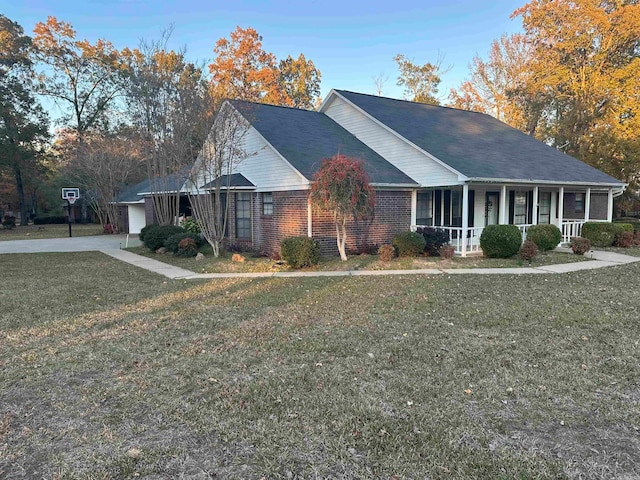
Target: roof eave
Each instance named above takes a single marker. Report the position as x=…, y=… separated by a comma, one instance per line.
x=546, y=182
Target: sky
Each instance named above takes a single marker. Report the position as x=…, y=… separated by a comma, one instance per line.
x=350, y=42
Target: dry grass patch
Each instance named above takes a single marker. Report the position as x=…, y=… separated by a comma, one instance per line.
x=31, y=232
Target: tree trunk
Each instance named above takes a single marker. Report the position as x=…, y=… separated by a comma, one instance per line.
x=341, y=238
x=24, y=215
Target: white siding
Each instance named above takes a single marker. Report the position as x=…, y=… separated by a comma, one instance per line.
x=136, y=217
x=407, y=158
x=265, y=168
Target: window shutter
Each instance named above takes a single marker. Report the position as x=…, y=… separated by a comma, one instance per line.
x=447, y=208
x=530, y=207
x=472, y=203
x=512, y=201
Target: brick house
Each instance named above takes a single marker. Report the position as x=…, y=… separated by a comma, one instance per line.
x=430, y=166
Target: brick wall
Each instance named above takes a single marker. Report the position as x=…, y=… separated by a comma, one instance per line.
x=289, y=219
x=392, y=215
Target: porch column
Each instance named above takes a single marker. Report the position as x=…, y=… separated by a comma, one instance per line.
x=587, y=205
x=414, y=208
x=534, y=211
x=465, y=217
x=610, y=205
x=502, y=214
x=560, y=207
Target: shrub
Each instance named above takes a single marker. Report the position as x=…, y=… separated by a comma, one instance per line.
x=409, y=244
x=386, y=252
x=146, y=229
x=580, y=245
x=9, y=222
x=300, y=251
x=528, y=250
x=434, y=238
x=50, y=220
x=191, y=225
x=546, y=237
x=155, y=237
x=187, y=247
x=447, y=251
x=603, y=234
x=172, y=243
x=636, y=238
x=500, y=241
x=624, y=239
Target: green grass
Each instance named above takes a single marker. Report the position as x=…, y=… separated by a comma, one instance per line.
x=121, y=373
x=633, y=251
x=49, y=231
x=224, y=263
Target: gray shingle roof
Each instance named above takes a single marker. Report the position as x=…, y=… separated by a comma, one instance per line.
x=171, y=183
x=235, y=180
x=475, y=144
x=305, y=138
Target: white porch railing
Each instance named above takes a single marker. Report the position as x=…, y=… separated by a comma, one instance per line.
x=457, y=238
x=523, y=229
x=571, y=228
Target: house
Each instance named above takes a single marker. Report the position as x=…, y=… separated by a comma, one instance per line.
x=430, y=166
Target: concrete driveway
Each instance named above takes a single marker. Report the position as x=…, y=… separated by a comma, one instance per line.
x=74, y=244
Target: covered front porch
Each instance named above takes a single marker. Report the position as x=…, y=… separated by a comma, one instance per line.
x=464, y=210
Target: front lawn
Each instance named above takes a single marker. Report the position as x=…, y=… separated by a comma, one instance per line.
x=224, y=263
x=29, y=232
x=120, y=373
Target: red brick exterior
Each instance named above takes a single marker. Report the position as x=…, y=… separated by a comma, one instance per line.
x=392, y=215
x=289, y=219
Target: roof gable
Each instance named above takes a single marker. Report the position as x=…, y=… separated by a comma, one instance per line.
x=305, y=138
x=476, y=145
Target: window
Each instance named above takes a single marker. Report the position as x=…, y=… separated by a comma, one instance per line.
x=456, y=208
x=544, y=207
x=424, y=208
x=267, y=203
x=520, y=208
x=579, y=202
x=243, y=215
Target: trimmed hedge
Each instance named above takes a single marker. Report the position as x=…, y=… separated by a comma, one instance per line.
x=434, y=238
x=409, y=244
x=144, y=230
x=154, y=238
x=634, y=222
x=300, y=252
x=500, y=241
x=188, y=247
x=172, y=243
x=546, y=237
x=603, y=234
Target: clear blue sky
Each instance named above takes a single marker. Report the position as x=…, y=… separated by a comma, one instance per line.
x=350, y=42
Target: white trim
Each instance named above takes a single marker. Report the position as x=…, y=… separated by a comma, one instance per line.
x=502, y=215
x=395, y=185
x=465, y=217
x=461, y=177
x=544, y=182
x=587, y=205
x=534, y=209
x=309, y=218
x=610, y=205
x=560, y=207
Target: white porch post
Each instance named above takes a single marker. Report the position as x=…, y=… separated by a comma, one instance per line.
x=610, y=205
x=560, y=207
x=414, y=207
x=587, y=205
x=465, y=217
x=534, y=213
x=309, y=218
x=502, y=215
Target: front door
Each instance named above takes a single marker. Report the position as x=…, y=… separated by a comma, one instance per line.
x=492, y=207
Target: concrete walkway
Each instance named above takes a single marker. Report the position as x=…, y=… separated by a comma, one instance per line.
x=74, y=244
x=599, y=260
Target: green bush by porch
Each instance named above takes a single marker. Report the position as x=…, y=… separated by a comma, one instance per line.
x=500, y=241
x=409, y=244
x=545, y=236
x=603, y=234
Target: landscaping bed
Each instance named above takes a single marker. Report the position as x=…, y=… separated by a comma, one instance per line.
x=120, y=373
x=225, y=264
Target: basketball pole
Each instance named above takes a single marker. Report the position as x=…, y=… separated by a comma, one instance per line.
x=69, y=215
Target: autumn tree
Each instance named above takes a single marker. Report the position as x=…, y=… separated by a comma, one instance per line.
x=23, y=123
x=299, y=82
x=210, y=177
x=244, y=70
x=586, y=63
x=341, y=186
x=168, y=104
x=420, y=82
x=82, y=78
